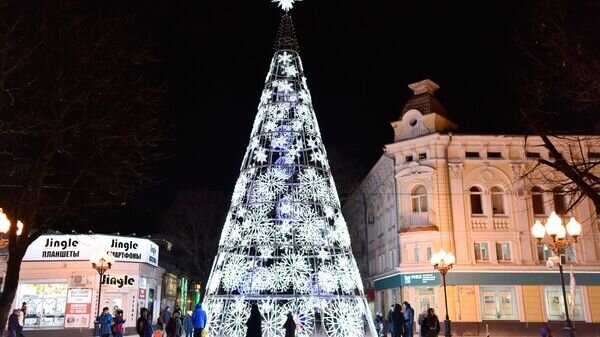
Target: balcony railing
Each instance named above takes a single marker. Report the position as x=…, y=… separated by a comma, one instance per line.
x=484, y=223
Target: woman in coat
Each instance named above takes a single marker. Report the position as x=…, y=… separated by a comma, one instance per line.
x=254, y=322
x=399, y=321
x=290, y=325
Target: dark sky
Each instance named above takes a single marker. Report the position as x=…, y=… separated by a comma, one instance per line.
x=359, y=57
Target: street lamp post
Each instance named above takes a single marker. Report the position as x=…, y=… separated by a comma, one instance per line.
x=560, y=242
x=101, y=263
x=443, y=262
x=5, y=226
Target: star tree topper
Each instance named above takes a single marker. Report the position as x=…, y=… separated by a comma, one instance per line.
x=286, y=5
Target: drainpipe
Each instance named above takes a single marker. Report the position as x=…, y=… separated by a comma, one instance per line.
x=451, y=215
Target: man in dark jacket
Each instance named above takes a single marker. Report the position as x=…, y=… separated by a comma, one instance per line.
x=174, y=326
x=390, y=321
x=143, y=326
x=431, y=324
x=198, y=320
x=398, y=318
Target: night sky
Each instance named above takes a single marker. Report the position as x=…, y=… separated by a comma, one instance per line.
x=359, y=57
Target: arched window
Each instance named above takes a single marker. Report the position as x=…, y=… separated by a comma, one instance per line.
x=419, y=199
x=476, y=202
x=497, y=200
x=560, y=205
x=537, y=200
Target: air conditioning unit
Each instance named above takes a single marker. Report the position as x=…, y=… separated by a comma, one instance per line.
x=79, y=279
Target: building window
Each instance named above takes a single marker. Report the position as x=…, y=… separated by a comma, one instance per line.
x=533, y=155
x=469, y=154
x=476, y=202
x=408, y=159
x=416, y=253
x=543, y=253
x=497, y=200
x=570, y=256
x=429, y=253
x=537, y=200
x=555, y=306
x=46, y=304
x=419, y=200
x=560, y=205
x=498, y=303
x=482, y=253
x=503, y=252
x=423, y=155
x=496, y=155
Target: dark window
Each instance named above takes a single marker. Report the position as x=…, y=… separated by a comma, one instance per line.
x=408, y=158
x=494, y=155
x=472, y=154
x=533, y=155
x=476, y=203
x=560, y=205
x=497, y=200
x=422, y=155
x=537, y=199
x=552, y=155
x=594, y=155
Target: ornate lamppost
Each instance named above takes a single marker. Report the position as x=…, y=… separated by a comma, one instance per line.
x=443, y=262
x=5, y=226
x=101, y=263
x=560, y=242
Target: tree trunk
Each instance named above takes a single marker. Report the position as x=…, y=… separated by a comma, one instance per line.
x=11, y=283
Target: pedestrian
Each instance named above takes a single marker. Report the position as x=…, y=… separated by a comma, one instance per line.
x=409, y=318
x=390, y=321
x=379, y=324
x=165, y=316
x=254, y=323
x=422, y=316
x=545, y=331
x=106, y=322
x=198, y=320
x=119, y=321
x=174, y=327
x=431, y=324
x=143, y=325
x=24, y=308
x=13, y=323
x=21, y=324
x=290, y=325
x=187, y=324
x=398, y=319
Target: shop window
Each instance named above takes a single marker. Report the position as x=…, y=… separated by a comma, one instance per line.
x=498, y=303
x=560, y=205
x=555, y=307
x=425, y=299
x=503, y=252
x=46, y=304
x=482, y=252
x=543, y=253
x=497, y=200
x=537, y=200
x=476, y=202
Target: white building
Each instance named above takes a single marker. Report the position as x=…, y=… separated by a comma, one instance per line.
x=433, y=189
x=60, y=286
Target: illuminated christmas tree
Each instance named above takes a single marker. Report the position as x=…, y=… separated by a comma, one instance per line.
x=285, y=245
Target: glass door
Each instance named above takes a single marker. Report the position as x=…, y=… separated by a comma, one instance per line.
x=46, y=304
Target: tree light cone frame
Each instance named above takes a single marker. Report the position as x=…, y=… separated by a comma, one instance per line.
x=285, y=245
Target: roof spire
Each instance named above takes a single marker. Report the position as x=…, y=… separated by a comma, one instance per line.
x=286, y=37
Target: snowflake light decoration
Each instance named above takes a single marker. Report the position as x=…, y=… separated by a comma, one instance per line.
x=286, y=5
x=285, y=244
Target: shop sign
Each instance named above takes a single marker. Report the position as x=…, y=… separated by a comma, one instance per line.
x=420, y=279
x=142, y=294
x=118, y=281
x=79, y=248
x=79, y=308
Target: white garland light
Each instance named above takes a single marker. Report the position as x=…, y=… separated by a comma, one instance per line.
x=285, y=244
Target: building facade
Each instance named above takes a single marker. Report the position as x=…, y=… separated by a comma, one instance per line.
x=60, y=286
x=433, y=189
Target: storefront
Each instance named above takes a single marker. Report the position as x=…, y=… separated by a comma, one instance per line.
x=60, y=286
x=496, y=296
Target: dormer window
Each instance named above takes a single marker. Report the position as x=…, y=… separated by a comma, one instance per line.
x=412, y=122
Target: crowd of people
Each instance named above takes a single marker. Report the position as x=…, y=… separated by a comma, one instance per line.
x=400, y=322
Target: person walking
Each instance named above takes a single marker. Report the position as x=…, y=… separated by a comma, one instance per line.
x=409, y=318
x=106, y=321
x=165, y=317
x=254, y=323
x=21, y=323
x=390, y=321
x=187, y=324
x=119, y=321
x=398, y=319
x=13, y=323
x=174, y=327
x=545, y=331
x=431, y=324
x=420, y=320
x=198, y=320
x=143, y=325
x=379, y=324
x=290, y=325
